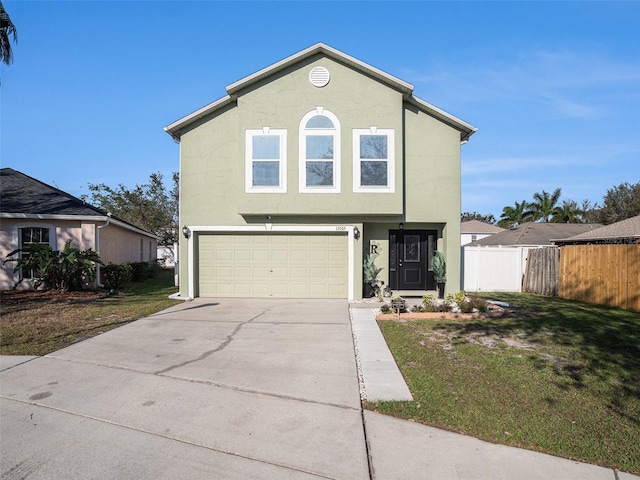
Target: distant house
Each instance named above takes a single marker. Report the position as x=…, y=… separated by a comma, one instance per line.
x=498, y=262
x=34, y=212
x=625, y=231
x=304, y=168
x=473, y=230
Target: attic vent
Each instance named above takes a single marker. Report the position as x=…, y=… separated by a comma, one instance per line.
x=319, y=76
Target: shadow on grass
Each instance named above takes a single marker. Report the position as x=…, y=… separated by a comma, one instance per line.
x=599, y=341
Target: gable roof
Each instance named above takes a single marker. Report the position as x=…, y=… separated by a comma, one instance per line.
x=235, y=89
x=22, y=196
x=628, y=229
x=534, y=233
x=476, y=226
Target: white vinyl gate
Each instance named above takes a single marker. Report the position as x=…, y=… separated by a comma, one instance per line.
x=494, y=269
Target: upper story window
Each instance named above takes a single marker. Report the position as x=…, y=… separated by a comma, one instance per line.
x=319, y=152
x=266, y=161
x=374, y=160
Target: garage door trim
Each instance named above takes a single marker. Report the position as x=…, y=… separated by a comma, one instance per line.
x=199, y=229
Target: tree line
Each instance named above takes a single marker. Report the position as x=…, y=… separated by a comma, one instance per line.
x=151, y=206
x=619, y=203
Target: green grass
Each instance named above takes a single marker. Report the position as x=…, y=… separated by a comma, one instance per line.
x=41, y=324
x=554, y=376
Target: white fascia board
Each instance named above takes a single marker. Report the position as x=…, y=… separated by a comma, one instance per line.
x=320, y=47
x=78, y=218
x=459, y=124
x=174, y=128
x=39, y=216
x=132, y=228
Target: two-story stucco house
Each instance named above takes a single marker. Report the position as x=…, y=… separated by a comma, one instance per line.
x=307, y=166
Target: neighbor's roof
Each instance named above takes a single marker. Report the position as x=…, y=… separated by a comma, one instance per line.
x=22, y=196
x=476, y=226
x=534, y=233
x=624, y=229
x=233, y=90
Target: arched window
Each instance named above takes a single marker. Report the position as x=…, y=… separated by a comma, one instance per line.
x=319, y=152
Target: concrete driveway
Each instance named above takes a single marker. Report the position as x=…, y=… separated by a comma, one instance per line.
x=208, y=389
x=233, y=389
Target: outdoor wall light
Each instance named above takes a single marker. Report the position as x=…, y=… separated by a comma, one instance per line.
x=356, y=233
x=401, y=226
x=186, y=232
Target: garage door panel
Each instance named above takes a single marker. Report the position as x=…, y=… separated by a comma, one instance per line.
x=273, y=265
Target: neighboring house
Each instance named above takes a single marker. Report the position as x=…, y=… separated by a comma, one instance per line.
x=473, y=230
x=603, y=265
x=34, y=212
x=498, y=262
x=625, y=231
x=307, y=166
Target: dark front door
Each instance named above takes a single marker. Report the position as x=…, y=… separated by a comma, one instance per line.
x=410, y=252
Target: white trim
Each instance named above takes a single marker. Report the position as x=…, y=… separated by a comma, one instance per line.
x=80, y=218
x=391, y=163
x=466, y=129
x=330, y=52
x=302, y=151
x=248, y=164
x=16, y=240
x=201, y=112
x=199, y=229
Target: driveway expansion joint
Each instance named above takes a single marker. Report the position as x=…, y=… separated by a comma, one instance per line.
x=172, y=438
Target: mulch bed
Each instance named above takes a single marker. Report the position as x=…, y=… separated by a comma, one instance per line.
x=403, y=317
x=13, y=297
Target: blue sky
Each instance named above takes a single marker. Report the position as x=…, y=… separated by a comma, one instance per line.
x=553, y=87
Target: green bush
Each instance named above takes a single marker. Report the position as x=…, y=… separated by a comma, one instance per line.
x=141, y=271
x=116, y=275
x=429, y=303
x=69, y=269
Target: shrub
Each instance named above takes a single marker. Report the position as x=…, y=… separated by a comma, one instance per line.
x=429, y=303
x=417, y=309
x=478, y=303
x=64, y=270
x=141, y=271
x=386, y=308
x=116, y=275
x=460, y=298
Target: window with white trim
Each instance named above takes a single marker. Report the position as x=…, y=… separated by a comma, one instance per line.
x=266, y=160
x=374, y=160
x=319, y=154
x=31, y=235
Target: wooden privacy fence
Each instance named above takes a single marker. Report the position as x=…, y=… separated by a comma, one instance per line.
x=541, y=274
x=607, y=274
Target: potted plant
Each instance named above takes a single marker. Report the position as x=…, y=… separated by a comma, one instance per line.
x=370, y=276
x=439, y=266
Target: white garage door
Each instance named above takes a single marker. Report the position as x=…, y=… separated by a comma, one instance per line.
x=273, y=265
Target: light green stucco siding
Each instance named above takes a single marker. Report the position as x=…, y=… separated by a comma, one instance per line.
x=427, y=164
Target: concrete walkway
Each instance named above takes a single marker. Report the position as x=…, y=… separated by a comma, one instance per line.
x=233, y=389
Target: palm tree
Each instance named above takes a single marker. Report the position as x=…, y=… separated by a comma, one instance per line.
x=7, y=29
x=569, y=212
x=516, y=215
x=544, y=203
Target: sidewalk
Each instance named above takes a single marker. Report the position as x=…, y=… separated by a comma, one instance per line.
x=401, y=449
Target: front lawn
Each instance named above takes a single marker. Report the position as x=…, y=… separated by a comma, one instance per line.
x=38, y=323
x=552, y=375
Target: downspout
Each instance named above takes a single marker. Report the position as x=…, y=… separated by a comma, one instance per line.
x=98, y=249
